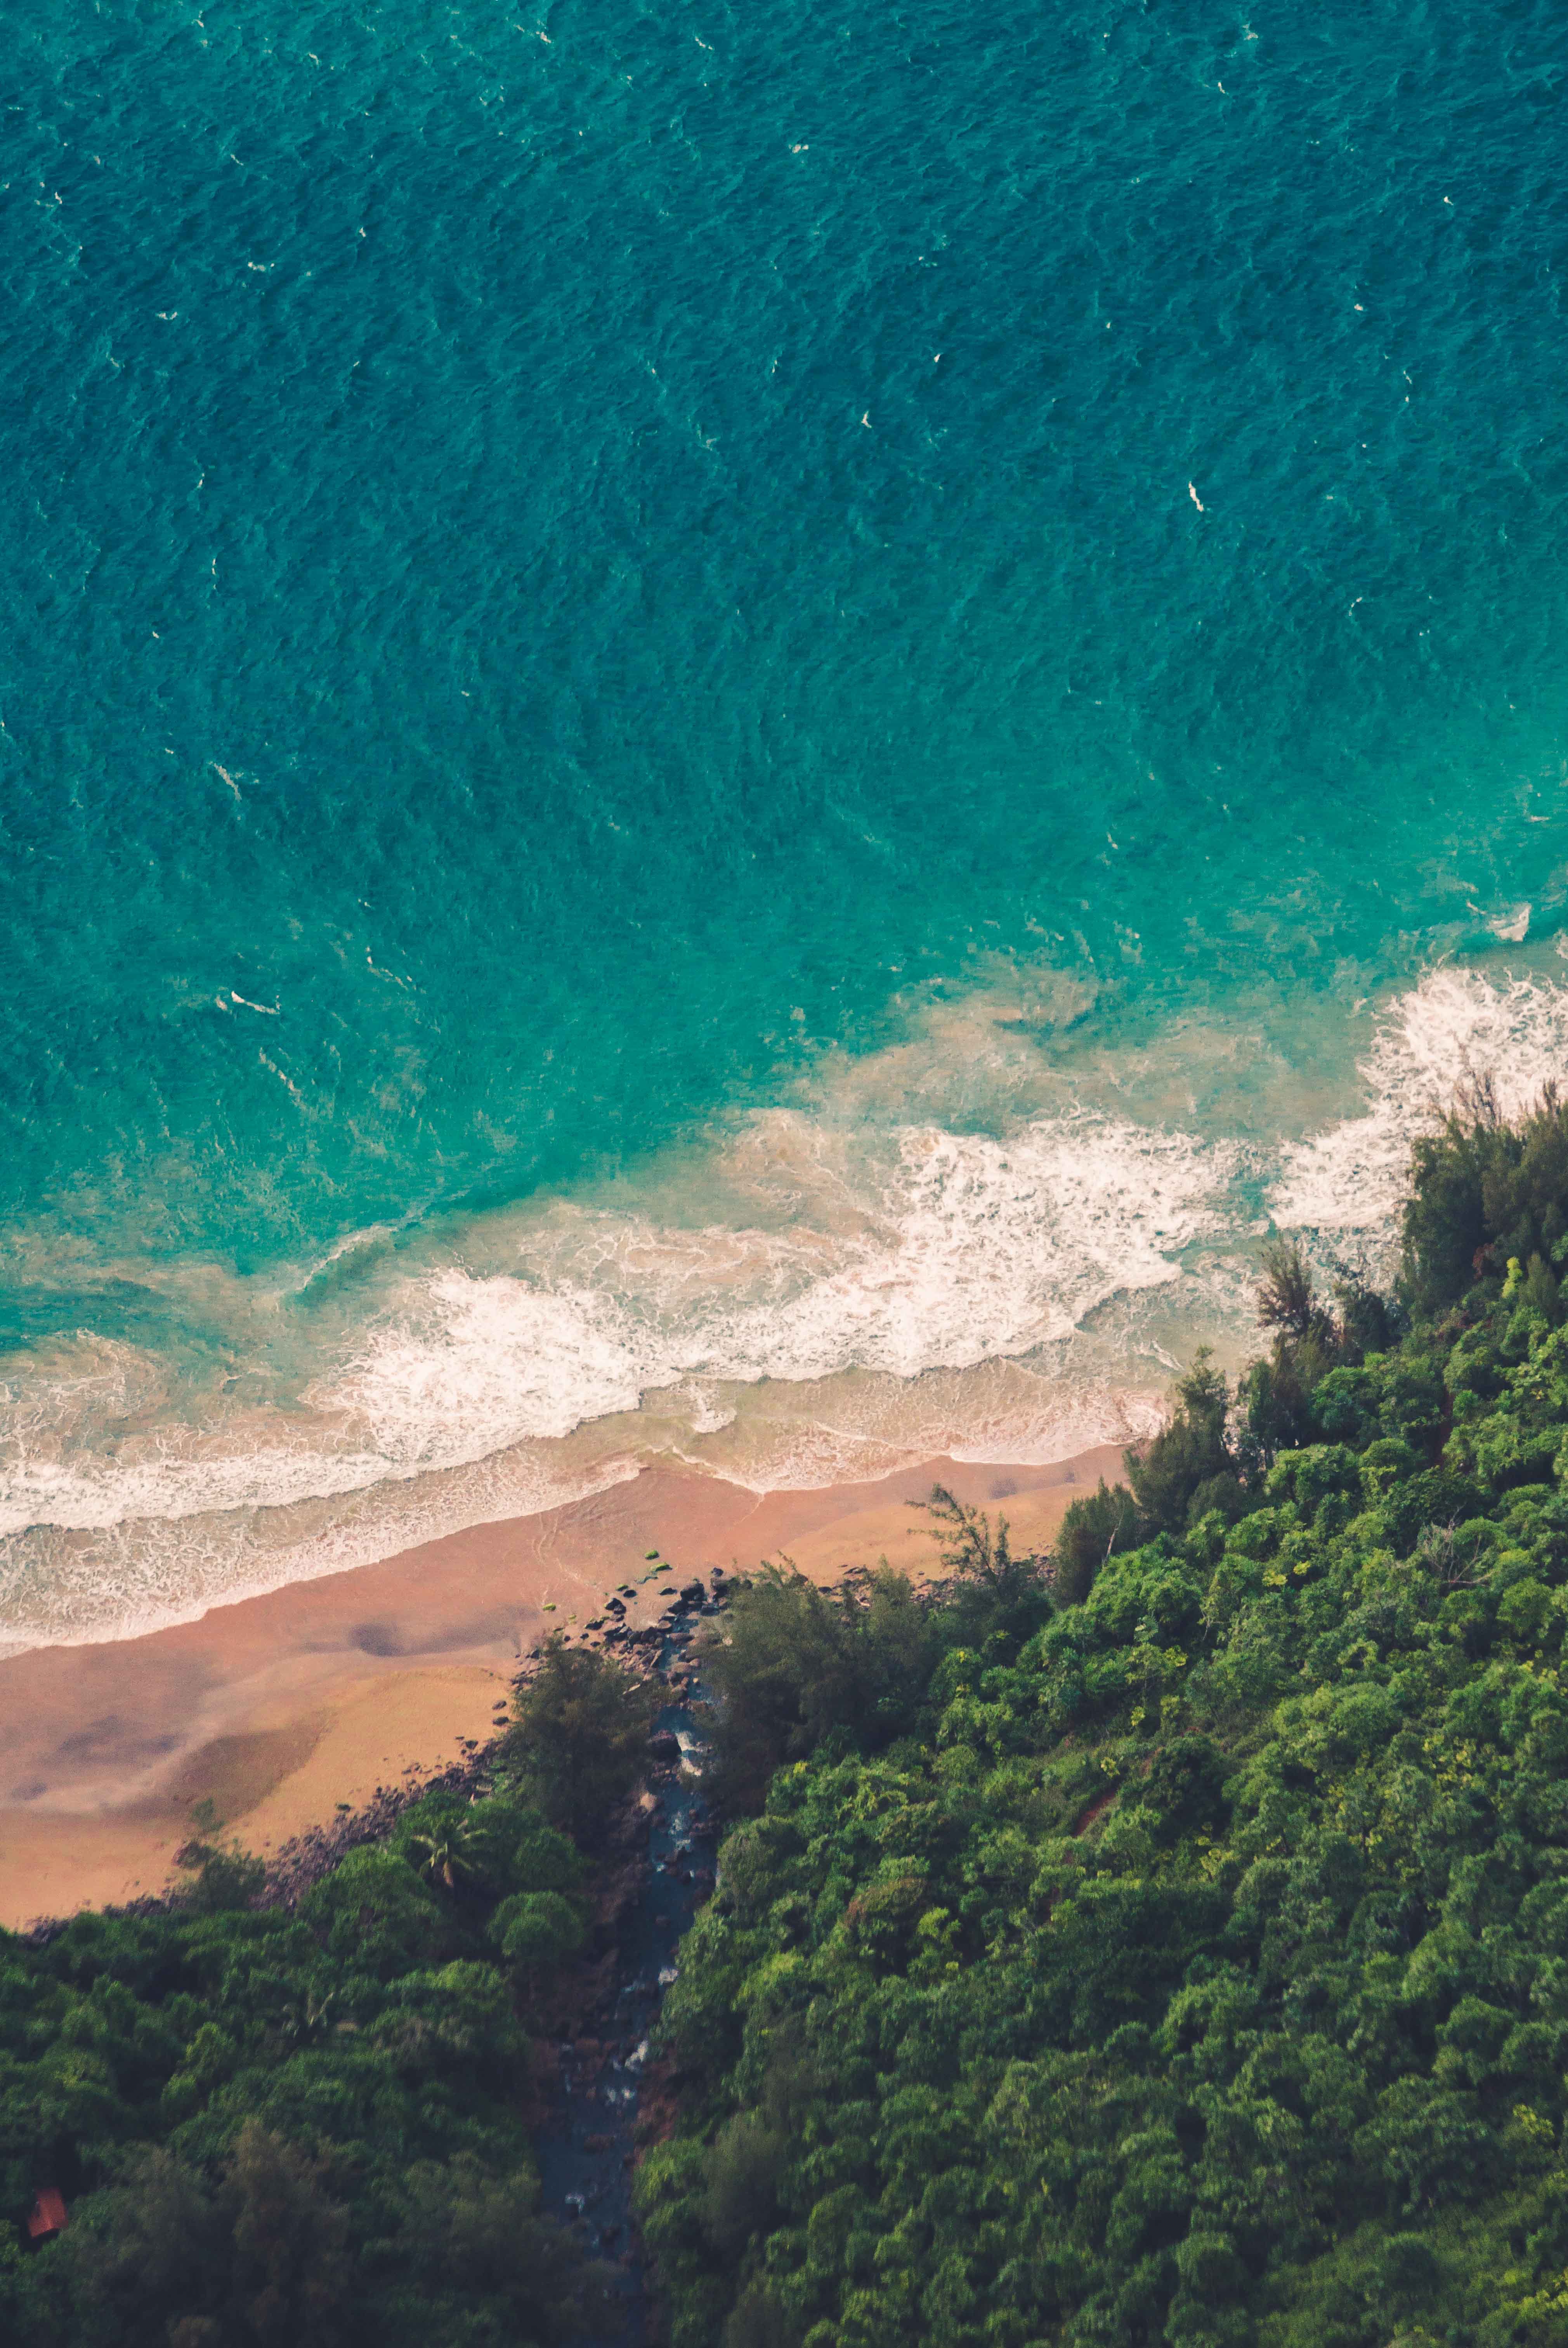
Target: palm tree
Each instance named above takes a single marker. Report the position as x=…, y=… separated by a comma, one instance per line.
x=451, y=1853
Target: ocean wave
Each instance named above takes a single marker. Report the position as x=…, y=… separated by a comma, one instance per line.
x=175, y=1479
x=64, y=1587
x=928, y=1251
x=821, y=1293
x=969, y=1247
x=1431, y=1044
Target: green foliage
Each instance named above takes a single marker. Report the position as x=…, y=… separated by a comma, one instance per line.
x=258, y=2255
x=374, y=1915
x=536, y=1930
x=991, y=1593
x=303, y=2130
x=1190, y=1970
x=579, y=1742
x=221, y=1876
x=449, y=1853
x=1288, y=1298
x=1215, y=1453
x=472, y=2242
x=1093, y=1528
x=1486, y=1191
x=1189, y=1465
x=794, y=1669
x=792, y=1664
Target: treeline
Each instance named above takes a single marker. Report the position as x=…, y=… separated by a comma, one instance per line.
x=1167, y=1941
x=310, y=2129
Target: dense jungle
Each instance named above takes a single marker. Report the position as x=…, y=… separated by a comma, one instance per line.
x=1163, y=1940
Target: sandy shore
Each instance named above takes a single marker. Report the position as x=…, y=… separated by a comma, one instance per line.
x=282, y=1708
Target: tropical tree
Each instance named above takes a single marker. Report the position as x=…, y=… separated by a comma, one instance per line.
x=580, y=1740
x=451, y=1851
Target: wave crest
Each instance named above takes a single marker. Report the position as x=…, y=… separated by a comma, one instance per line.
x=1457, y=1025
x=826, y=1293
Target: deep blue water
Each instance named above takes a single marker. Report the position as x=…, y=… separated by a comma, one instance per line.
x=564, y=566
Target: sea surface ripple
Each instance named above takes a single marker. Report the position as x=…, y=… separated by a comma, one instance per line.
x=733, y=732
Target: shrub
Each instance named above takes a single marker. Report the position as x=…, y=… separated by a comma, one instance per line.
x=579, y=1742
x=1093, y=1528
x=537, y=1930
x=1484, y=1191
x=1189, y=1456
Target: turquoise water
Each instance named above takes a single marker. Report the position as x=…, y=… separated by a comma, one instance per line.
x=716, y=696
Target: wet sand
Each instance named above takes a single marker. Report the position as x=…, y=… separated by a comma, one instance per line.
x=281, y=1709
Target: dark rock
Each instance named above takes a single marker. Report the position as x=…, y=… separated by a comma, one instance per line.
x=664, y=1746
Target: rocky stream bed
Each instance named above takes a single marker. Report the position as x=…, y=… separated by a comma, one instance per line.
x=609, y=2091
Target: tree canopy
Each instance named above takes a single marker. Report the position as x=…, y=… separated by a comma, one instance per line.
x=1188, y=1964
x=297, y=2130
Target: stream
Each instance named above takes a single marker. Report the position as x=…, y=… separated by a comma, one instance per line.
x=586, y=2149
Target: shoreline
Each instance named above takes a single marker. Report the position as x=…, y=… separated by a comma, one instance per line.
x=285, y=1709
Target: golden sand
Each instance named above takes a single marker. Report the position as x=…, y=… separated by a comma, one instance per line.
x=281, y=1709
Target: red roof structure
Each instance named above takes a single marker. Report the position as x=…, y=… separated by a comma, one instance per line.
x=48, y=2213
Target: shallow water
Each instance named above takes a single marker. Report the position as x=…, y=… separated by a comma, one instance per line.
x=719, y=729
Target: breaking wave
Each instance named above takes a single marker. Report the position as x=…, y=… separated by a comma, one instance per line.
x=857, y=1292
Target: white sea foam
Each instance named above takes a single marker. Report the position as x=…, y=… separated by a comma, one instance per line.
x=60, y=1586
x=965, y=1248
x=829, y=1290
x=961, y=1248
x=174, y=1478
x=1431, y=1043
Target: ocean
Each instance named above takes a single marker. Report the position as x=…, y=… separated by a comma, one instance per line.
x=735, y=734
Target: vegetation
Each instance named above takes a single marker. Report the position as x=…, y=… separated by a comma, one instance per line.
x=580, y=1741
x=312, y=2128
x=1490, y=1196
x=1165, y=1941
x=1169, y=1941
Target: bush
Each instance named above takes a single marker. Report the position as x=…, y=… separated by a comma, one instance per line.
x=1189, y=1456
x=579, y=1742
x=1093, y=1528
x=793, y=1667
x=275, y=2127
x=790, y=1664
x=1483, y=1192
x=374, y=1915
x=163, y=2262
x=221, y=1876
x=537, y=1930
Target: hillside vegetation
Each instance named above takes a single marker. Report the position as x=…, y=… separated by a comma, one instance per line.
x=309, y=2126
x=1169, y=1941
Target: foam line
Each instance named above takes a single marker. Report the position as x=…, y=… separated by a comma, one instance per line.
x=1456, y=1025
x=837, y=1313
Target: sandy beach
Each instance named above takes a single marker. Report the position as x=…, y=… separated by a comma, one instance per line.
x=282, y=1708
